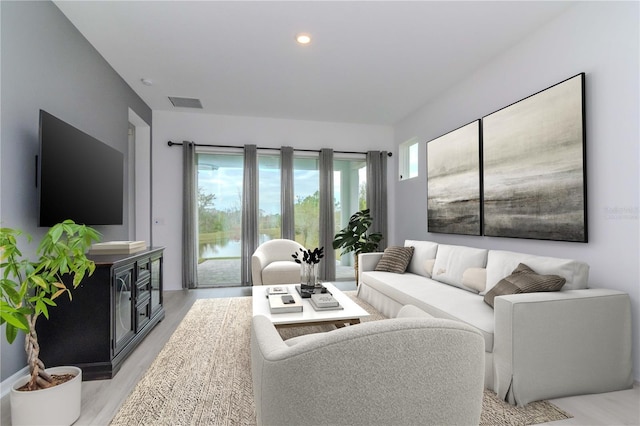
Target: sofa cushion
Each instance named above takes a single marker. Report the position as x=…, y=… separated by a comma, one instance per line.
x=524, y=280
x=502, y=263
x=395, y=259
x=422, y=251
x=475, y=279
x=435, y=298
x=452, y=261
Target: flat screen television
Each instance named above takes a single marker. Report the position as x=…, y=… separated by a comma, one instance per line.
x=79, y=177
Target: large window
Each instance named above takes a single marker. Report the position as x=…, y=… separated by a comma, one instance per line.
x=269, y=190
x=306, y=208
x=350, y=186
x=219, y=183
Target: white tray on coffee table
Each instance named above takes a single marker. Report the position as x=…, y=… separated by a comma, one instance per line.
x=350, y=314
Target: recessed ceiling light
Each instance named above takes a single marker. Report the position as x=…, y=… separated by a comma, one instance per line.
x=303, y=38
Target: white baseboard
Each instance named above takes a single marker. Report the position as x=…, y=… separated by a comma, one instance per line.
x=5, y=385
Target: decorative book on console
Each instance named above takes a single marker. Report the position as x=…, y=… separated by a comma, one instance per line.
x=118, y=247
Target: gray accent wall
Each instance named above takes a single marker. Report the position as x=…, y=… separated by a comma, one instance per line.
x=600, y=39
x=47, y=64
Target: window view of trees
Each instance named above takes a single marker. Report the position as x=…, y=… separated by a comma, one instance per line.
x=216, y=226
x=269, y=190
x=306, y=219
x=306, y=208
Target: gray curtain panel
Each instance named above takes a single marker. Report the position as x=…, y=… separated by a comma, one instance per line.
x=327, y=267
x=286, y=200
x=377, y=193
x=189, y=218
x=249, y=211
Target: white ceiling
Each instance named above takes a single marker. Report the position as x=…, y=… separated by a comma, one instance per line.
x=369, y=62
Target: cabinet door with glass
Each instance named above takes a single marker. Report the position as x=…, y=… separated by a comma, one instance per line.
x=123, y=325
x=156, y=283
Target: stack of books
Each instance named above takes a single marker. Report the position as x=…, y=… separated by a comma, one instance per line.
x=118, y=247
x=277, y=290
x=284, y=303
x=324, y=302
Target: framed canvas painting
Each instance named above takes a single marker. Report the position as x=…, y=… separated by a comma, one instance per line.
x=534, y=166
x=453, y=182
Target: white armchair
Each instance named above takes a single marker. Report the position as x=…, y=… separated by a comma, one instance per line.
x=401, y=371
x=272, y=263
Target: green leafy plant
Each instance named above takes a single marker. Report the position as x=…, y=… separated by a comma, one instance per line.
x=355, y=237
x=28, y=288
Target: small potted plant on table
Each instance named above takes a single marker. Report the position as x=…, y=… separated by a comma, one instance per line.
x=308, y=267
x=28, y=290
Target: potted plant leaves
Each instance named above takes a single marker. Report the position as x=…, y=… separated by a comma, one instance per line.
x=28, y=290
x=356, y=238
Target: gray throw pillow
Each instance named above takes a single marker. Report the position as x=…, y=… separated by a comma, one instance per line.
x=395, y=259
x=524, y=280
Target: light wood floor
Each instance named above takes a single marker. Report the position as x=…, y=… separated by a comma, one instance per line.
x=102, y=398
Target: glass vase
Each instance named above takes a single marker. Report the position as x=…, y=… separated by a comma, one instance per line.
x=308, y=275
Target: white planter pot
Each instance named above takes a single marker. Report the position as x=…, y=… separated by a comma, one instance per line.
x=58, y=405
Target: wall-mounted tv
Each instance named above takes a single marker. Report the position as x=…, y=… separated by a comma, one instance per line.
x=79, y=177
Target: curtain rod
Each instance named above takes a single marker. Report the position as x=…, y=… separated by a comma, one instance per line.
x=170, y=143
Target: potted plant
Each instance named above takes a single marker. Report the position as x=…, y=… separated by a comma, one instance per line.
x=28, y=290
x=355, y=237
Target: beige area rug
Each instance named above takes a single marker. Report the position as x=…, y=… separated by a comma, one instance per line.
x=203, y=374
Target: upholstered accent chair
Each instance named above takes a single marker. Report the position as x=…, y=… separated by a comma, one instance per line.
x=410, y=370
x=272, y=263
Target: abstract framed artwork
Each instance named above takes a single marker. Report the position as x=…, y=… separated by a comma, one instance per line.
x=534, y=166
x=453, y=182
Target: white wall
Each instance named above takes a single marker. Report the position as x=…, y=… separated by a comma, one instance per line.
x=602, y=40
x=237, y=131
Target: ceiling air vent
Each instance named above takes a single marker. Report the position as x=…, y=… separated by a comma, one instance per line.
x=185, y=102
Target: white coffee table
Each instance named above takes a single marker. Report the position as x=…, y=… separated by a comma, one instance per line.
x=350, y=314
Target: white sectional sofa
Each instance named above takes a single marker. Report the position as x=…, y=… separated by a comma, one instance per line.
x=537, y=345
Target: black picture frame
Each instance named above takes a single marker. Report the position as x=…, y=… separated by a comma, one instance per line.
x=454, y=181
x=534, y=166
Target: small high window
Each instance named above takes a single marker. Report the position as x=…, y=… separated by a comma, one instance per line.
x=408, y=158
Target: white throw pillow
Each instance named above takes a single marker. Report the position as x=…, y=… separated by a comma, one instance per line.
x=428, y=267
x=452, y=261
x=422, y=250
x=475, y=279
x=502, y=263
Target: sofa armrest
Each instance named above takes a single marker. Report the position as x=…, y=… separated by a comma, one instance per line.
x=555, y=344
x=368, y=261
x=265, y=341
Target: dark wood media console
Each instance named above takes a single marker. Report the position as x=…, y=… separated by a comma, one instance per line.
x=111, y=312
